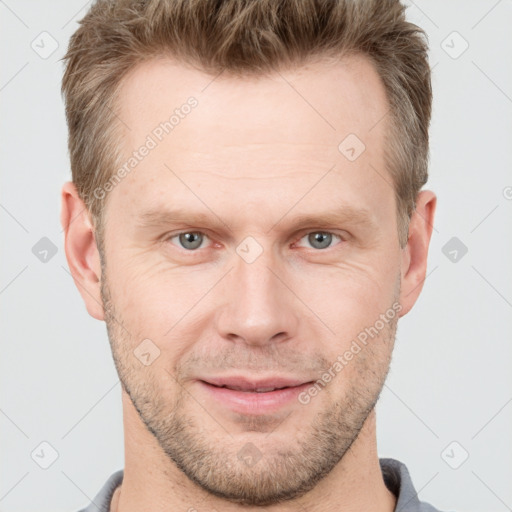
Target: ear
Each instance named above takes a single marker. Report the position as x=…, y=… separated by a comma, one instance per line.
x=414, y=254
x=81, y=249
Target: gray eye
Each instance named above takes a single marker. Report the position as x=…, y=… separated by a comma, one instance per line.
x=320, y=240
x=190, y=240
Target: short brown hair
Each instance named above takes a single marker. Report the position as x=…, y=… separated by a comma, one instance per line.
x=244, y=37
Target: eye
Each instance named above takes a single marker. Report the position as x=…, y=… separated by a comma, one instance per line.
x=189, y=240
x=320, y=239
x=192, y=240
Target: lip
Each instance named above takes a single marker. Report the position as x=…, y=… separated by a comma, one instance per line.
x=252, y=402
x=245, y=384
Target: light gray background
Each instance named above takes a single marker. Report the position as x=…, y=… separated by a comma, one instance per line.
x=451, y=376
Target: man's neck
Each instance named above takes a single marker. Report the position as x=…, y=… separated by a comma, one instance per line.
x=114, y=503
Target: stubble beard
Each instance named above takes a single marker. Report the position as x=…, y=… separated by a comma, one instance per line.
x=286, y=470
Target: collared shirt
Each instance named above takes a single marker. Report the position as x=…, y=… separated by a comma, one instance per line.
x=395, y=474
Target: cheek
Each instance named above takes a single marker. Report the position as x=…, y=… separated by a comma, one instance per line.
x=159, y=303
x=351, y=296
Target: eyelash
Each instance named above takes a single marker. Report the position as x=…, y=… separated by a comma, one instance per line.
x=168, y=239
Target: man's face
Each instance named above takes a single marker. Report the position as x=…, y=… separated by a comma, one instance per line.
x=289, y=250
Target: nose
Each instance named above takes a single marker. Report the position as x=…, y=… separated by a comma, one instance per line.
x=257, y=307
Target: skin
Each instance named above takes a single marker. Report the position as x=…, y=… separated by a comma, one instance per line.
x=253, y=156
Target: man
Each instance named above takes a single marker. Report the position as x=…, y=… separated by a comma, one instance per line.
x=246, y=215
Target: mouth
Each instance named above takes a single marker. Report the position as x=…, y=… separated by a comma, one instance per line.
x=255, y=390
x=254, y=398
x=260, y=385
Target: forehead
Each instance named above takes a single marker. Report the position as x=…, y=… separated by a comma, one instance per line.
x=330, y=98
x=252, y=135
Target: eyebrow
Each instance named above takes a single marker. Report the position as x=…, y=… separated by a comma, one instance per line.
x=324, y=219
x=331, y=218
x=156, y=218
